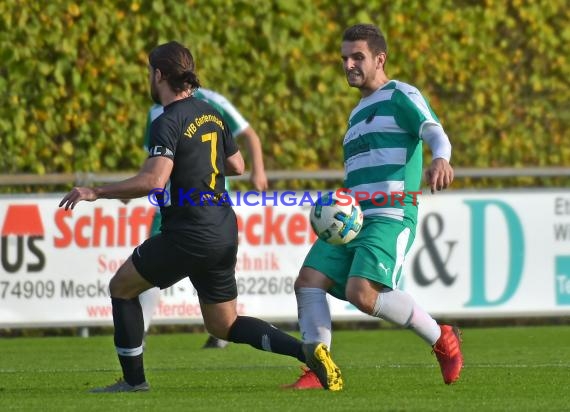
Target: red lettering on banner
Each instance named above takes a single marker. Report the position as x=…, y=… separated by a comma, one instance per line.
x=265, y=262
x=297, y=229
x=108, y=224
x=66, y=233
x=252, y=223
x=103, y=230
x=23, y=220
x=122, y=229
x=107, y=265
x=81, y=240
x=271, y=228
x=178, y=310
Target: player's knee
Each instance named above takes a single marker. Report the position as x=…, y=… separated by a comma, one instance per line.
x=116, y=288
x=361, y=300
x=311, y=278
x=299, y=283
x=120, y=287
x=217, y=329
x=219, y=317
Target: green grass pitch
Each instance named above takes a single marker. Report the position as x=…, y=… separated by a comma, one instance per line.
x=506, y=369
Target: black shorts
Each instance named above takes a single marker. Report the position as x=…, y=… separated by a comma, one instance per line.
x=164, y=259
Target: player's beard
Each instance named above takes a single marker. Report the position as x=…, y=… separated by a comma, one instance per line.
x=154, y=92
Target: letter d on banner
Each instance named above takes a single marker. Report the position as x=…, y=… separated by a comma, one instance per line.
x=478, y=258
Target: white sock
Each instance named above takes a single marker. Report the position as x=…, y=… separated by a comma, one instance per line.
x=314, y=315
x=149, y=300
x=400, y=308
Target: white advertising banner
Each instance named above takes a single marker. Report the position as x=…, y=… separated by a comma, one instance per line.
x=484, y=254
x=500, y=253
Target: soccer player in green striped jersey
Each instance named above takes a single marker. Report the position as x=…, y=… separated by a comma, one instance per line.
x=382, y=159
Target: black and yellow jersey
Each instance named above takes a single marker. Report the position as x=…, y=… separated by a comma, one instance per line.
x=194, y=135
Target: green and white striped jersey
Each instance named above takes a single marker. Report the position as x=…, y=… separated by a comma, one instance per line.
x=230, y=114
x=155, y=111
x=383, y=150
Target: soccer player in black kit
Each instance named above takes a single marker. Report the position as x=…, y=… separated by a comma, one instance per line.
x=191, y=151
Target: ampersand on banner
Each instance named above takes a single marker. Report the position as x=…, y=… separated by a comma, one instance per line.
x=439, y=264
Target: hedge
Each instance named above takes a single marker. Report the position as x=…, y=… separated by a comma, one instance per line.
x=74, y=81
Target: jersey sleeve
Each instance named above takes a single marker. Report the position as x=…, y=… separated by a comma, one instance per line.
x=155, y=111
x=231, y=115
x=163, y=138
x=146, y=141
x=230, y=145
x=413, y=111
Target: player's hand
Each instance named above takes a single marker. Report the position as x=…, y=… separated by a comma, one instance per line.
x=259, y=181
x=76, y=195
x=439, y=175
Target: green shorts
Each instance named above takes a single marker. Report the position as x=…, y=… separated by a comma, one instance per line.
x=377, y=254
x=156, y=223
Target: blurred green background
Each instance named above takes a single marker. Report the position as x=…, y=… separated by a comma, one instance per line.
x=74, y=87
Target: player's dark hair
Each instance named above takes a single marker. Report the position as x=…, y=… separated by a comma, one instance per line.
x=176, y=64
x=370, y=33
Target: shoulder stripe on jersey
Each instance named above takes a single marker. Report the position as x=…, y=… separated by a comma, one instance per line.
x=390, y=212
x=381, y=95
x=376, y=157
x=419, y=102
x=389, y=186
x=378, y=125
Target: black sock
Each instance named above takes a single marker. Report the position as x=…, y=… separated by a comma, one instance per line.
x=261, y=335
x=129, y=332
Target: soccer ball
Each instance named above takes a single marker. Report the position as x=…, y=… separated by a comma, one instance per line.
x=336, y=219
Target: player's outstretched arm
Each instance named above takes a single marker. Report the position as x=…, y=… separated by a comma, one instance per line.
x=258, y=177
x=235, y=165
x=154, y=174
x=439, y=175
x=76, y=195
